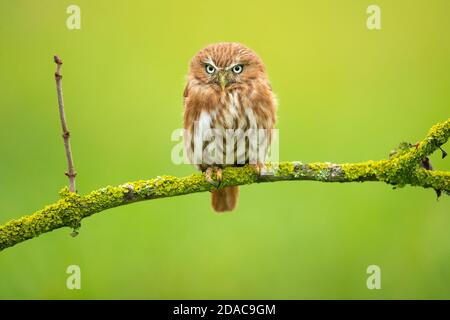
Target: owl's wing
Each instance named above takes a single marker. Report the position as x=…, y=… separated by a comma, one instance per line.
x=186, y=93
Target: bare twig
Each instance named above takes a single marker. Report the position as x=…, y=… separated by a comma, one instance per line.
x=66, y=134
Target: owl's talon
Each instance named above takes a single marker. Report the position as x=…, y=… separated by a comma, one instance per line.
x=258, y=167
x=210, y=171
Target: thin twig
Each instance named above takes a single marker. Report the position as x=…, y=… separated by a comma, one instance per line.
x=66, y=134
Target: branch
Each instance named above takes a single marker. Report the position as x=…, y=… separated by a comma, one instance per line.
x=404, y=167
x=66, y=134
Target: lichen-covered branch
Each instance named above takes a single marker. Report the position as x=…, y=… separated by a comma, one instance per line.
x=404, y=167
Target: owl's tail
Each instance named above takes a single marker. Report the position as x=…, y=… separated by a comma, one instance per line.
x=225, y=199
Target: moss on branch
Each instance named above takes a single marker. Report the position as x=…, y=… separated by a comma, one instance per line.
x=402, y=168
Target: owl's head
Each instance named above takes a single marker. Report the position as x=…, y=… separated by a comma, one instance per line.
x=226, y=65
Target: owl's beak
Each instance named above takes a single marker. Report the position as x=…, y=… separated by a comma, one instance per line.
x=223, y=80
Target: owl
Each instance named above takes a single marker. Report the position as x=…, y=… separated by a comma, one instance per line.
x=227, y=95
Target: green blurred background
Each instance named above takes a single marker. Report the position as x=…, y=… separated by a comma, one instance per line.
x=346, y=94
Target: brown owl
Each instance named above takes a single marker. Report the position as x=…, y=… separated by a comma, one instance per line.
x=227, y=95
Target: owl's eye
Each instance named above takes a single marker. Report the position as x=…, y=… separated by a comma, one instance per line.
x=238, y=68
x=210, y=69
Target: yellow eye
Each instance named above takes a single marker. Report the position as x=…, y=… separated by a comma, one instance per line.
x=238, y=68
x=210, y=69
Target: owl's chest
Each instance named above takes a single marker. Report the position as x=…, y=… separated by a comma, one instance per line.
x=232, y=114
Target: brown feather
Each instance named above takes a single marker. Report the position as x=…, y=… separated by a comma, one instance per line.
x=225, y=199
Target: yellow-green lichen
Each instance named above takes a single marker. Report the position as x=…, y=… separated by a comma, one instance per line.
x=285, y=169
